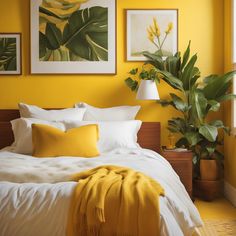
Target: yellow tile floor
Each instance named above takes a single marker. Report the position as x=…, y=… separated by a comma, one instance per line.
x=217, y=209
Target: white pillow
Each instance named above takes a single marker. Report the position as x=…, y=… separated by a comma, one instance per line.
x=113, y=134
x=31, y=111
x=22, y=131
x=110, y=113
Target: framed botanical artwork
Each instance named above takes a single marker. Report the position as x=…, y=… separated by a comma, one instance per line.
x=152, y=30
x=10, y=54
x=73, y=37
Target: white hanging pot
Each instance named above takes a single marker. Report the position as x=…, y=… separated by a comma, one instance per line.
x=147, y=90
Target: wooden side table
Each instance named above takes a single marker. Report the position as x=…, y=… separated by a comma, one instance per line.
x=183, y=166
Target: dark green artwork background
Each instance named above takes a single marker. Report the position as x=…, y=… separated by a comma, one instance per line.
x=7, y=54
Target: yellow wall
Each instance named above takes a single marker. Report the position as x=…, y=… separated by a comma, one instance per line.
x=200, y=21
x=230, y=142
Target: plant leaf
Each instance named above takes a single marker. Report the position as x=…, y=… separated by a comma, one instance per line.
x=133, y=71
x=217, y=86
x=86, y=33
x=54, y=36
x=226, y=97
x=155, y=60
x=173, y=65
x=177, y=124
x=179, y=103
x=165, y=103
x=171, y=80
x=214, y=105
x=219, y=124
x=192, y=137
x=209, y=132
x=199, y=105
x=188, y=72
x=132, y=84
x=186, y=56
x=182, y=142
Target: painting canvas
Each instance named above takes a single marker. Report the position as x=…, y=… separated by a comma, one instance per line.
x=73, y=37
x=155, y=31
x=10, y=54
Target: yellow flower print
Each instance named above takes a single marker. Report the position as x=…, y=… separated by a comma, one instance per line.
x=156, y=27
x=169, y=28
x=150, y=35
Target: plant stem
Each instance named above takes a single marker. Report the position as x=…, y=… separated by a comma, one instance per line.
x=159, y=42
x=163, y=41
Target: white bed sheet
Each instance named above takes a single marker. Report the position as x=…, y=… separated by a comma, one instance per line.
x=34, y=197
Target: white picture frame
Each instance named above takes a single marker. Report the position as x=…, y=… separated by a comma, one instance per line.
x=96, y=58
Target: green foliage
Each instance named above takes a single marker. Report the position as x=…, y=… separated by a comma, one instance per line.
x=84, y=37
x=144, y=74
x=194, y=101
x=7, y=54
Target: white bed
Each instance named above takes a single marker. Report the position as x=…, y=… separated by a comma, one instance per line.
x=35, y=194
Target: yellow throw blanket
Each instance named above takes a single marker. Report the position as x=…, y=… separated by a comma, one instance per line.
x=114, y=201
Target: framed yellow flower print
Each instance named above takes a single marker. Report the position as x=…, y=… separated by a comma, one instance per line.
x=152, y=30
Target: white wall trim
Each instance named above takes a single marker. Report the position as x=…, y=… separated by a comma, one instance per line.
x=230, y=193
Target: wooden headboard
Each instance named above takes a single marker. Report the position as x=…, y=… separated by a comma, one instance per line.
x=148, y=136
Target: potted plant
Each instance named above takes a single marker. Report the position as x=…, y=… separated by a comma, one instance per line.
x=195, y=99
x=147, y=77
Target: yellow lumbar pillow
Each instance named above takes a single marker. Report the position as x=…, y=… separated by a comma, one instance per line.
x=52, y=142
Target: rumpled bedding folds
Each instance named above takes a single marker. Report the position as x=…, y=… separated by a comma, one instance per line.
x=35, y=198
x=113, y=200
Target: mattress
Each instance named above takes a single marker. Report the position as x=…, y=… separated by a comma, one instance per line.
x=35, y=193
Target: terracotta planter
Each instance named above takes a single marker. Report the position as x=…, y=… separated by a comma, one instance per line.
x=208, y=190
x=209, y=170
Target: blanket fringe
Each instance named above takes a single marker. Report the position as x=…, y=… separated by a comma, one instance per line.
x=99, y=212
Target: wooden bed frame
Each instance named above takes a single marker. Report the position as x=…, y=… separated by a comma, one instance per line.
x=148, y=136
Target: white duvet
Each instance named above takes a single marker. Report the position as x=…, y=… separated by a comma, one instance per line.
x=35, y=197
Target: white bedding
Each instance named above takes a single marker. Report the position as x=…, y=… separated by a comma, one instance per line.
x=34, y=194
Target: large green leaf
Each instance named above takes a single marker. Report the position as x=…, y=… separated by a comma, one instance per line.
x=179, y=103
x=209, y=132
x=155, y=60
x=186, y=56
x=43, y=43
x=192, y=137
x=177, y=125
x=213, y=105
x=226, y=97
x=198, y=106
x=173, y=64
x=8, y=54
x=219, y=124
x=217, y=86
x=209, y=78
x=188, y=72
x=86, y=33
x=53, y=36
x=171, y=80
x=194, y=77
